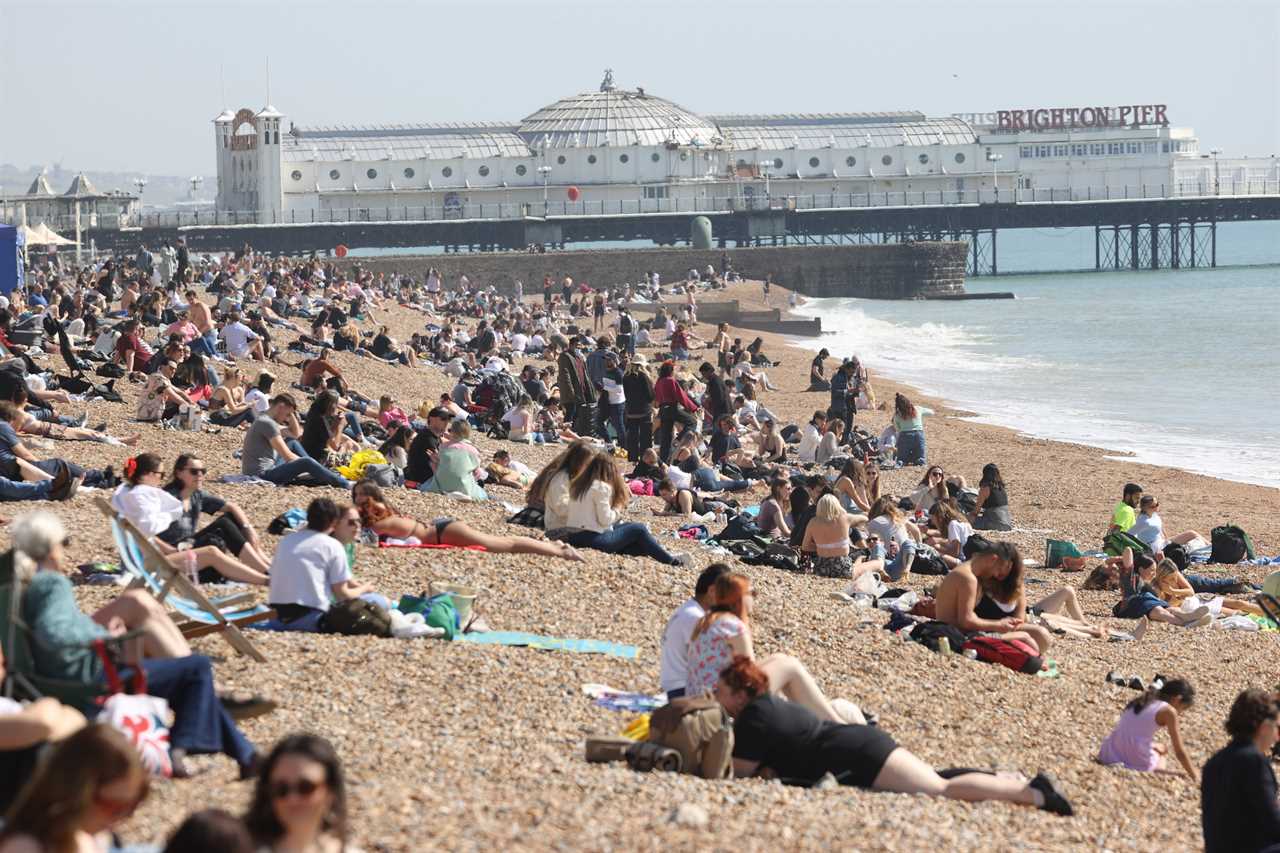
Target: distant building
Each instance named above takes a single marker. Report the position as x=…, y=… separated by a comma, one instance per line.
x=97, y=209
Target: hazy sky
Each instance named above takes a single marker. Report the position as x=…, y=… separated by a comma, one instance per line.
x=134, y=85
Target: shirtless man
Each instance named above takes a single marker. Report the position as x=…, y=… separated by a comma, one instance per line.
x=206, y=342
x=961, y=597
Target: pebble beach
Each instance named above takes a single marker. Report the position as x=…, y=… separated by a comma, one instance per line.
x=460, y=747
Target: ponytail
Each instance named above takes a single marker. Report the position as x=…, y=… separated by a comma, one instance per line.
x=1174, y=688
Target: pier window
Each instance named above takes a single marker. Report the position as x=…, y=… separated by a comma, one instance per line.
x=371, y=174
x=1042, y=150
x=1148, y=148
x=848, y=161
x=1135, y=147
x=886, y=160
x=484, y=171
x=1079, y=150
x=923, y=158
x=655, y=156
x=591, y=158
x=1164, y=146
x=684, y=155
x=521, y=169
x=813, y=162
x=777, y=162
x=296, y=175
x=1096, y=149
x=1059, y=151
x=622, y=158
x=959, y=156
x=409, y=173
x=334, y=174
x=560, y=160
x=655, y=192
x=1027, y=151
x=447, y=171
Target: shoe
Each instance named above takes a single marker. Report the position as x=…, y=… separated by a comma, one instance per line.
x=1193, y=617
x=1136, y=683
x=102, y=427
x=80, y=421
x=253, y=768
x=1115, y=678
x=1054, y=800
x=1203, y=621
x=67, y=491
x=178, y=764
x=246, y=706
x=109, y=478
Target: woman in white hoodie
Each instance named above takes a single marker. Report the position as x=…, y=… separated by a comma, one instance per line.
x=595, y=497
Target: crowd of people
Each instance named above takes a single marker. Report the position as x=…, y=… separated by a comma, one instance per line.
x=206, y=342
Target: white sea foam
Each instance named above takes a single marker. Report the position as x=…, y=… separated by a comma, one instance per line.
x=1053, y=398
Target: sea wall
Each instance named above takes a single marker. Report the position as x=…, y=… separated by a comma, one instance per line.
x=889, y=271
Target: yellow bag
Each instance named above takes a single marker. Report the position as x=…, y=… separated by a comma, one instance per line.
x=362, y=459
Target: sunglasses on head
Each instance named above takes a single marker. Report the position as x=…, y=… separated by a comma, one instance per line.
x=303, y=788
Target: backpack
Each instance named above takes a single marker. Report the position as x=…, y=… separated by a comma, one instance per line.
x=698, y=729
x=1015, y=654
x=1230, y=545
x=928, y=563
x=111, y=371
x=739, y=527
x=625, y=326
x=356, y=617
x=1117, y=540
x=929, y=633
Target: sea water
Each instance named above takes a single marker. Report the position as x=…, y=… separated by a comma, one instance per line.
x=1179, y=368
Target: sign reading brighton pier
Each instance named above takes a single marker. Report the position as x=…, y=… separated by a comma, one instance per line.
x=1066, y=118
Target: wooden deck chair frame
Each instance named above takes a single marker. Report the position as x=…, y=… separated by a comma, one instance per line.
x=201, y=615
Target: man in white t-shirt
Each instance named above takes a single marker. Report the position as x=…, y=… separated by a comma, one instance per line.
x=675, y=639
x=811, y=437
x=241, y=340
x=310, y=569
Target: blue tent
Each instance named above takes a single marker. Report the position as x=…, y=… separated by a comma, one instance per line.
x=11, y=242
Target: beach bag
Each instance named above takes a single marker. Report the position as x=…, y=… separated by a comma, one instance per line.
x=530, y=516
x=1117, y=540
x=141, y=718
x=698, y=729
x=928, y=562
x=1015, y=654
x=361, y=459
x=382, y=475
x=438, y=611
x=290, y=519
x=356, y=617
x=1230, y=545
x=1175, y=552
x=1056, y=549
x=110, y=371
x=739, y=527
x=928, y=634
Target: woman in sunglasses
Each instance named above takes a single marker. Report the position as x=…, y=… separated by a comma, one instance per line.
x=229, y=532
x=300, y=802
x=90, y=782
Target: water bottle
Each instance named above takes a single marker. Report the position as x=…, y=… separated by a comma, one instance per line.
x=944, y=646
x=189, y=562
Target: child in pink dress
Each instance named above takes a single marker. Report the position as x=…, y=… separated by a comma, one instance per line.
x=1132, y=742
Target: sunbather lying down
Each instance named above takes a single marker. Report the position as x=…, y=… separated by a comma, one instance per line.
x=377, y=514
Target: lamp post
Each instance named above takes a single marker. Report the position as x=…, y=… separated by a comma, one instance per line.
x=545, y=172
x=993, y=158
x=765, y=166
x=1217, y=185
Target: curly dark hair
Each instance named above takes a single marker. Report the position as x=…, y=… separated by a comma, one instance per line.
x=1251, y=708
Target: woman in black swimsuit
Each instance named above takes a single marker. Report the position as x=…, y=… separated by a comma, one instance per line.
x=379, y=516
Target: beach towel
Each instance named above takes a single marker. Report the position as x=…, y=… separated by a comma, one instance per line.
x=618, y=700
x=424, y=545
x=537, y=641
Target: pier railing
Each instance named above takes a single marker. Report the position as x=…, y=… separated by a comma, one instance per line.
x=757, y=201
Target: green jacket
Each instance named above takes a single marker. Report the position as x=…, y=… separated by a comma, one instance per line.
x=61, y=632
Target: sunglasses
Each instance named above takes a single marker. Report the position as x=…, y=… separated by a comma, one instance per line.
x=303, y=788
x=196, y=472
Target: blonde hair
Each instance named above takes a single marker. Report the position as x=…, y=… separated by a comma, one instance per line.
x=828, y=508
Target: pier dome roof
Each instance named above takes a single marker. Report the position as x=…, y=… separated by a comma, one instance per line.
x=615, y=117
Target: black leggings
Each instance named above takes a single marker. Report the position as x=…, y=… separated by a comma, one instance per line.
x=225, y=534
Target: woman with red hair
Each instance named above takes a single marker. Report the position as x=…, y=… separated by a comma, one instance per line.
x=724, y=633
x=786, y=741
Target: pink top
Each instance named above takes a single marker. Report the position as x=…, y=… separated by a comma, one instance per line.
x=396, y=415
x=1132, y=742
x=710, y=653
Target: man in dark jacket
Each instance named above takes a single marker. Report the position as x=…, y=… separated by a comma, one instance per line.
x=577, y=394
x=715, y=402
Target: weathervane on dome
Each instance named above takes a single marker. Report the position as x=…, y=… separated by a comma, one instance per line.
x=606, y=85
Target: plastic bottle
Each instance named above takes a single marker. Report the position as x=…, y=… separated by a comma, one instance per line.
x=944, y=646
x=189, y=562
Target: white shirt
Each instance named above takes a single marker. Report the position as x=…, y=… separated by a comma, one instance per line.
x=888, y=532
x=959, y=531
x=1150, y=529
x=675, y=645
x=809, y=441
x=306, y=566
x=150, y=509
x=238, y=337
x=593, y=511
x=519, y=341
x=255, y=398
x=617, y=396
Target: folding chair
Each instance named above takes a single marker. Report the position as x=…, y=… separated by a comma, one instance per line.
x=199, y=614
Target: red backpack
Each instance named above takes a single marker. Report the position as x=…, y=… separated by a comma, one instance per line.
x=1015, y=654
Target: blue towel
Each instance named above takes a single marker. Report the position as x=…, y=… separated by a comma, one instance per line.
x=537, y=641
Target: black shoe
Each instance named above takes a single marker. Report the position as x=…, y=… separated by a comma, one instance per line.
x=244, y=707
x=178, y=763
x=102, y=427
x=109, y=478
x=1054, y=800
x=1137, y=684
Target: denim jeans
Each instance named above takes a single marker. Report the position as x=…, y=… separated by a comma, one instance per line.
x=17, y=490
x=898, y=566
x=302, y=469
x=223, y=419
x=206, y=344
x=1217, y=586
x=200, y=723
x=631, y=538
x=707, y=480
x=911, y=447
x=1137, y=606
x=93, y=478
x=614, y=416
x=352, y=428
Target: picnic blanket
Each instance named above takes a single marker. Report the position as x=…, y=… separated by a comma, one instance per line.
x=538, y=641
x=621, y=700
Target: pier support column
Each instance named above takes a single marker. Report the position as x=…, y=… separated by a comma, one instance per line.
x=1133, y=246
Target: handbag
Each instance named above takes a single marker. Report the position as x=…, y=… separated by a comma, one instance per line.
x=141, y=718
